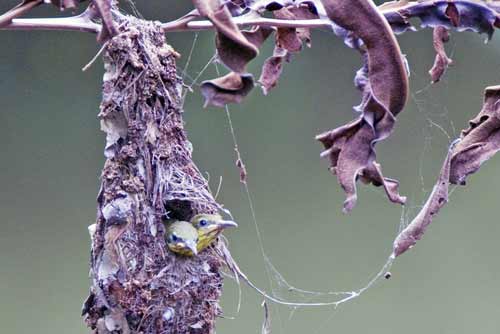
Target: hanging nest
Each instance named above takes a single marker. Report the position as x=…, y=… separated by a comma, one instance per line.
x=138, y=285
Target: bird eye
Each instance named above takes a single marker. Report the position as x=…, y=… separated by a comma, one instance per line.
x=174, y=238
x=203, y=222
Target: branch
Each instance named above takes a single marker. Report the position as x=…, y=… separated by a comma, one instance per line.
x=188, y=22
x=178, y=25
x=79, y=24
x=6, y=18
x=75, y=23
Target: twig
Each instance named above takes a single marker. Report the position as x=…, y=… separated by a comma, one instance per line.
x=6, y=18
x=86, y=67
x=75, y=23
x=78, y=24
x=247, y=21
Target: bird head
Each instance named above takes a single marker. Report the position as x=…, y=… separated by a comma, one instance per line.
x=211, y=225
x=182, y=238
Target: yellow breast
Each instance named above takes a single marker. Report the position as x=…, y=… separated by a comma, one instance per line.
x=181, y=250
x=204, y=240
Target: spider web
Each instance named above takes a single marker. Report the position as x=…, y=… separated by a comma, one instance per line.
x=284, y=296
x=281, y=291
x=437, y=126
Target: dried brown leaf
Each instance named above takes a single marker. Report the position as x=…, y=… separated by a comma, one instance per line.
x=437, y=199
x=231, y=88
x=234, y=50
x=480, y=141
x=384, y=82
x=257, y=35
x=272, y=68
x=441, y=62
x=476, y=145
x=373, y=174
x=291, y=39
x=288, y=40
x=239, y=84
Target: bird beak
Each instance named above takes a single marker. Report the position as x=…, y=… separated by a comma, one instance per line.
x=192, y=247
x=227, y=223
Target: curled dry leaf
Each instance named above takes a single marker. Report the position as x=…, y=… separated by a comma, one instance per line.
x=234, y=50
x=384, y=83
x=291, y=39
x=231, y=88
x=235, y=85
x=441, y=62
x=477, y=16
x=437, y=199
x=476, y=145
x=287, y=40
x=272, y=68
x=257, y=35
x=480, y=141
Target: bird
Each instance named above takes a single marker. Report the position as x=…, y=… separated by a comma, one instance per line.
x=209, y=226
x=182, y=238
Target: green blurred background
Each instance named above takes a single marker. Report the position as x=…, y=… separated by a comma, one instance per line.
x=51, y=156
